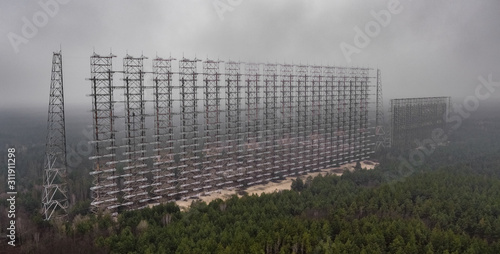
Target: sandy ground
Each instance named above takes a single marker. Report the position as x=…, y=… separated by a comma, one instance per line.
x=275, y=187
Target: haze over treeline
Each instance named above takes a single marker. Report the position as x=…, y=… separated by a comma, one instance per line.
x=424, y=48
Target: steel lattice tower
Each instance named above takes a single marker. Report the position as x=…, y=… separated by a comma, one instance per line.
x=361, y=121
x=314, y=140
x=253, y=123
x=382, y=137
x=105, y=188
x=328, y=102
x=336, y=116
x=234, y=131
x=287, y=140
x=325, y=115
x=213, y=162
x=188, y=180
x=341, y=115
x=270, y=167
x=303, y=99
x=163, y=164
x=352, y=112
x=368, y=145
x=54, y=197
x=135, y=194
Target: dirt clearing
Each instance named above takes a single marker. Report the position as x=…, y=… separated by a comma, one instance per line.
x=271, y=187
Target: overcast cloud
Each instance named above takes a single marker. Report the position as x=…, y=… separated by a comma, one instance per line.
x=431, y=48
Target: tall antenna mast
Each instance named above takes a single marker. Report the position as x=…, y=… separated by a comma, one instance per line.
x=54, y=198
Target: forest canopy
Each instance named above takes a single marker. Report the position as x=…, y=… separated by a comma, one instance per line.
x=450, y=204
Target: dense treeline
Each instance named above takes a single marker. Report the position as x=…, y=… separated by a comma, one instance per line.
x=431, y=212
x=449, y=204
x=450, y=209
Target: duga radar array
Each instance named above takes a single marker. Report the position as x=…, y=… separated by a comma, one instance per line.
x=190, y=127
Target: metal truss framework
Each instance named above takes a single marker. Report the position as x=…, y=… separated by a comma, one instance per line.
x=288, y=133
x=382, y=134
x=54, y=197
x=414, y=119
x=189, y=177
x=234, y=166
x=272, y=168
x=315, y=137
x=255, y=123
x=302, y=155
x=135, y=183
x=253, y=127
x=163, y=163
x=213, y=160
x=105, y=189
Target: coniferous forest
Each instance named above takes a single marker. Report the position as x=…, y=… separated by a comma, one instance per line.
x=449, y=203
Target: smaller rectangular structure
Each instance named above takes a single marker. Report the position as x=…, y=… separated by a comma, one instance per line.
x=414, y=119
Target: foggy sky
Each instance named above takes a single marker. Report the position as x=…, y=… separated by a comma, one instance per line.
x=431, y=48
